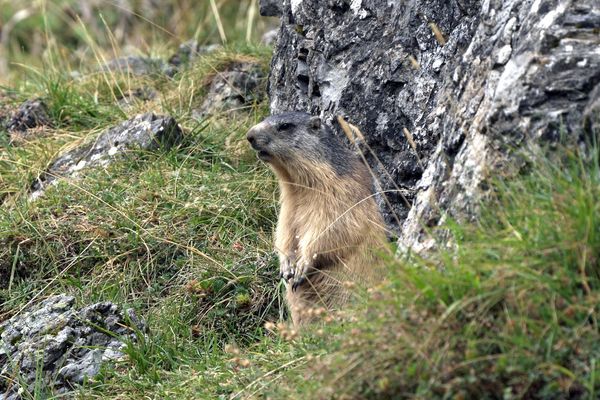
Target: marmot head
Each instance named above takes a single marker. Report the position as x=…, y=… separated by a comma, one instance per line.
x=276, y=138
x=297, y=140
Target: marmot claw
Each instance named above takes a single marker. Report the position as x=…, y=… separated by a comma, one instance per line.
x=289, y=275
x=287, y=270
x=297, y=282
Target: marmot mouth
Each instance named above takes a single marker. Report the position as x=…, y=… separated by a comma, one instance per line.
x=264, y=155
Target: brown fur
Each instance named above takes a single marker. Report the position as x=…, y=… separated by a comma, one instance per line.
x=329, y=229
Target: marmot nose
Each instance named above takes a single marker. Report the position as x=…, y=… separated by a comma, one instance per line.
x=257, y=139
x=251, y=136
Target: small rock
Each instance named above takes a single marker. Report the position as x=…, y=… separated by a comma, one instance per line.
x=437, y=64
x=31, y=114
x=502, y=55
x=189, y=51
x=233, y=89
x=145, y=131
x=136, y=65
x=270, y=8
x=141, y=94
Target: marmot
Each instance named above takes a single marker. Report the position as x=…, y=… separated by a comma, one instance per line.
x=329, y=231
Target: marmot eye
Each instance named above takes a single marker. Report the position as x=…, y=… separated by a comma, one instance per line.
x=284, y=127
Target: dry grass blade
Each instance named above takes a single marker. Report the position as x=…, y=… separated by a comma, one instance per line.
x=413, y=61
x=437, y=32
x=412, y=143
x=351, y=131
x=251, y=17
x=217, y=15
x=5, y=34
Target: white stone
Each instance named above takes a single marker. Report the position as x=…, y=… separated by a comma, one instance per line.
x=549, y=18
x=295, y=4
x=503, y=54
x=79, y=166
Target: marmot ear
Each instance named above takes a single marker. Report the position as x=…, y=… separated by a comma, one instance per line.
x=315, y=122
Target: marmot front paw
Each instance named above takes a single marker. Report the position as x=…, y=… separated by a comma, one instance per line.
x=286, y=268
x=300, y=273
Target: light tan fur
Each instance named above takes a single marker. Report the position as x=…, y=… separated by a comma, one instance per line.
x=326, y=220
x=322, y=215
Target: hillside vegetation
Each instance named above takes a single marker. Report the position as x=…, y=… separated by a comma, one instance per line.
x=506, y=308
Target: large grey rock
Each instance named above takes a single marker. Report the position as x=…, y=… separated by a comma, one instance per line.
x=466, y=81
x=30, y=114
x=235, y=88
x=58, y=346
x=145, y=131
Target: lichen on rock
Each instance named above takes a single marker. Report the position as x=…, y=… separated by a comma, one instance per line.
x=30, y=114
x=57, y=345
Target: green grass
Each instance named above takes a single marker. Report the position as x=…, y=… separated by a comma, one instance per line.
x=182, y=236
x=507, y=310
x=67, y=34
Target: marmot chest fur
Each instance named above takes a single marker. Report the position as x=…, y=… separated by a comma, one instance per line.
x=329, y=229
